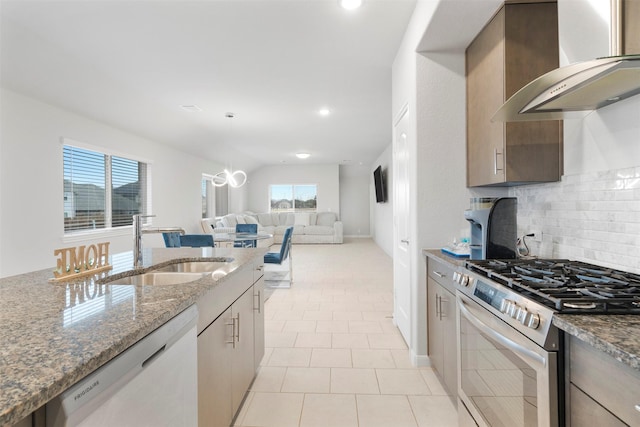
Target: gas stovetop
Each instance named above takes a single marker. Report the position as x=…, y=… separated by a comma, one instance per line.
x=565, y=286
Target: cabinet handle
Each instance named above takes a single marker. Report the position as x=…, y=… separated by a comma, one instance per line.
x=441, y=311
x=496, y=169
x=233, y=332
x=437, y=305
x=440, y=275
x=238, y=329
x=259, y=309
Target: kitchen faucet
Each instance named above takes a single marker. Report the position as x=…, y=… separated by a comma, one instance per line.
x=138, y=231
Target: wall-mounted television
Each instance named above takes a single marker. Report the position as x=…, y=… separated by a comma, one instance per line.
x=378, y=181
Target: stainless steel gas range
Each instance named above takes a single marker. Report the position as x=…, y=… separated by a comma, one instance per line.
x=510, y=355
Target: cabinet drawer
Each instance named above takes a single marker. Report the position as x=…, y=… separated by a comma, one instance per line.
x=586, y=412
x=442, y=274
x=612, y=384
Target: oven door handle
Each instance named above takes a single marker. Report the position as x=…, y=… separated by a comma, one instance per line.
x=519, y=349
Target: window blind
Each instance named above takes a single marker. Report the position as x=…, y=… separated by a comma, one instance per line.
x=101, y=191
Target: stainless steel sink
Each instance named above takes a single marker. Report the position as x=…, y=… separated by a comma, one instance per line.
x=160, y=278
x=194, y=267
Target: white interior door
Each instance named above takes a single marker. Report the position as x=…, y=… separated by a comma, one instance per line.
x=401, y=209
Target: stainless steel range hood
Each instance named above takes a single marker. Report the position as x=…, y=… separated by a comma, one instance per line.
x=568, y=92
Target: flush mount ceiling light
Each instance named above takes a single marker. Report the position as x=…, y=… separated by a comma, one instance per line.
x=191, y=108
x=234, y=179
x=324, y=111
x=350, y=4
x=303, y=155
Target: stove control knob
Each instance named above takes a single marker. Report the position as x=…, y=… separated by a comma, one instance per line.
x=513, y=310
x=522, y=315
x=464, y=280
x=534, y=321
x=504, y=305
x=456, y=277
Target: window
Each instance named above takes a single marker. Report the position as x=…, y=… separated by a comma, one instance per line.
x=101, y=191
x=294, y=198
x=214, y=199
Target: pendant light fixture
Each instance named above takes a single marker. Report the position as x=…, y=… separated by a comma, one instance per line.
x=235, y=179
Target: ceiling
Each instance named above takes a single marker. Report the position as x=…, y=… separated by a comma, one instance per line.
x=273, y=63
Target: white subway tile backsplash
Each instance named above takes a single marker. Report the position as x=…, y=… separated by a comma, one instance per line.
x=592, y=217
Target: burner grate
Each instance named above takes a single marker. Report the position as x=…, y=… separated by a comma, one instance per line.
x=566, y=286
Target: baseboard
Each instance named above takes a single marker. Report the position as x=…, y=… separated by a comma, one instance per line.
x=420, y=359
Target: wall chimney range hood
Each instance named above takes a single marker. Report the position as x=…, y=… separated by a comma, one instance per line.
x=568, y=92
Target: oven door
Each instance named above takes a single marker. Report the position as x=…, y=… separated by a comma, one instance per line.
x=504, y=379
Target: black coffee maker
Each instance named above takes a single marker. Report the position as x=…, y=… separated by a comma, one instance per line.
x=493, y=228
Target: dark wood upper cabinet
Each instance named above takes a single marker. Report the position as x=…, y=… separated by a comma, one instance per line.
x=519, y=44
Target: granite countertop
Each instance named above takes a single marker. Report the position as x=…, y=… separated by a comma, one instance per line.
x=616, y=335
x=54, y=334
x=437, y=254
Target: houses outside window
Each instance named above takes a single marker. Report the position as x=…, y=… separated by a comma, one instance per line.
x=294, y=198
x=102, y=191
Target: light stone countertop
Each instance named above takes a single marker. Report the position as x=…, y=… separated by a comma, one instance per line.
x=616, y=335
x=54, y=334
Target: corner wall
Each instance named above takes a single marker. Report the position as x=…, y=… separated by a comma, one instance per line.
x=31, y=223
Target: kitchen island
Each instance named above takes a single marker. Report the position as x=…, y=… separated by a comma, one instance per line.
x=54, y=334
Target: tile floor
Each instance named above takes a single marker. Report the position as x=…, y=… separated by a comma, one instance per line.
x=334, y=357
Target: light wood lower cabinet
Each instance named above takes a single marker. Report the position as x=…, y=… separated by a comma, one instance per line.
x=230, y=345
x=441, y=324
x=214, y=372
x=602, y=391
x=258, y=314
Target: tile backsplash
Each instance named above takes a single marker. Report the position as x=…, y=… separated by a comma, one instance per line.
x=592, y=217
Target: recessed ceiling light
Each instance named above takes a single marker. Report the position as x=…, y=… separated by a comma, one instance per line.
x=324, y=112
x=191, y=108
x=350, y=4
x=303, y=155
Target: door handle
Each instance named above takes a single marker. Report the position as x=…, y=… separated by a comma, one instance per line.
x=405, y=241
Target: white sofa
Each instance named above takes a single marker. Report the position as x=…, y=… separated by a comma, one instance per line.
x=314, y=227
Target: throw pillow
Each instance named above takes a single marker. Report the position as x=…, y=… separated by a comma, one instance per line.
x=240, y=219
x=229, y=221
x=265, y=219
x=290, y=219
x=326, y=218
x=301, y=219
x=313, y=218
x=250, y=220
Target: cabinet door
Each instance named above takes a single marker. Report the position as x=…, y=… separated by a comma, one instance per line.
x=242, y=363
x=450, y=343
x=258, y=322
x=586, y=412
x=485, y=94
x=435, y=337
x=215, y=353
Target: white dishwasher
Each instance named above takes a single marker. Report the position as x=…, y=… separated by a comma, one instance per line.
x=153, y=383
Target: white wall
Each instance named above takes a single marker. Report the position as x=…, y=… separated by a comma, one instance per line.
x=31, y=225
x=326, y=177
x=355, y=200
x=382, y=213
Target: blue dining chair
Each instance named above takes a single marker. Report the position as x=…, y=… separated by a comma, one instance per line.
x=246, y=228
x=171, y=240
x=277, y=280
x=175, y=240
x=196, y=240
